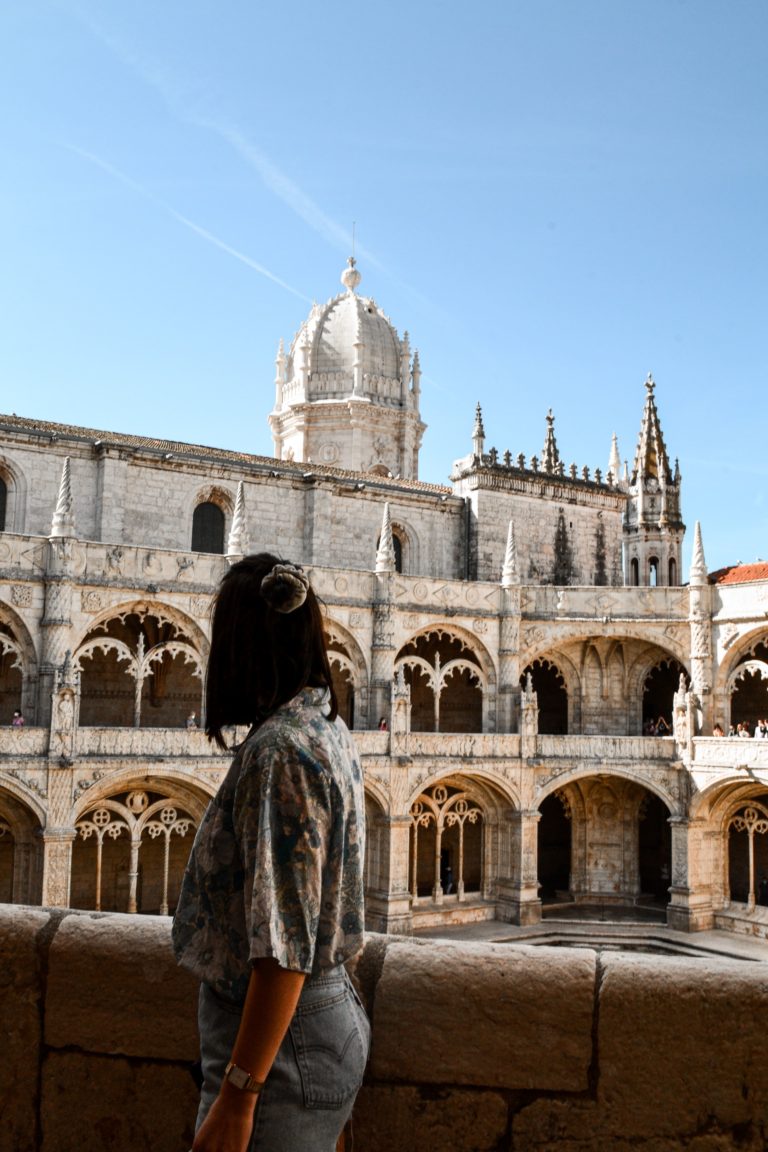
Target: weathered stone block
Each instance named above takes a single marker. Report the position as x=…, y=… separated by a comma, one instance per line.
x=108, y=976
x=107, y=1104
x=466, y=1014
x=683, y=1045
x=394, y=1119
x=20, y=1012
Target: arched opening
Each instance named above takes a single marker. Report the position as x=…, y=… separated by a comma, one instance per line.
x=138, y=670
x=607, y=847
x=749, y=688
x=376, y=848
x=446, y=841
x=653, y=571
x=446, y=683
x=3, y=503
x=7, y=858
x=661, y=684
x=672, y=572
x=21, y=853
x=11, y=674
x=343, y=685
x=130, y=853
x=655, y=849
x=748, y=853
x=208, y=528
x=554, y=848
x=634, y=572
x=552, y=697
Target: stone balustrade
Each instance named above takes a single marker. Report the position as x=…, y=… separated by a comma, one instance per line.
x=729, y=752
x=602, y=748
x=475, y=1046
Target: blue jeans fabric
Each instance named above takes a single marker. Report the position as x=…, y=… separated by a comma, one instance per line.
x=310, y=1090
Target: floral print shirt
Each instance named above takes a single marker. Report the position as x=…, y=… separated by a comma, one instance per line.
x=276, y=868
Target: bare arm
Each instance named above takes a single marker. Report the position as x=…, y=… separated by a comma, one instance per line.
x=273, y=993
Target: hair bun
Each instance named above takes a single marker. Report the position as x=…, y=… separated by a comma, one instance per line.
x=284, y=588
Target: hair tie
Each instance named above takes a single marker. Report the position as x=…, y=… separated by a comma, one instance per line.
x=284, y=588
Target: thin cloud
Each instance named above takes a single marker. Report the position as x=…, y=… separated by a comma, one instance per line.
x=203, y=233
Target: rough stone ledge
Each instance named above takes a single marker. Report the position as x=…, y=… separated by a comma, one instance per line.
x=475, y=1046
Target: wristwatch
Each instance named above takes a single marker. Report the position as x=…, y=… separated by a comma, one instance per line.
x=239, y=1078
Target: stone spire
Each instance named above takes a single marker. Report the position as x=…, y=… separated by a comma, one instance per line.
x=698, y=572
x=350, y=277
x=416, y=373
x=550, y=457
x=63, y=523
x=478, y=433
x=509, y=574
x=385, y=555
x=651, y=460
x=614, y=460
x=237, y=544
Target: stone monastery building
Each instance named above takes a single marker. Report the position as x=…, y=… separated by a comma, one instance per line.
x=516, y=632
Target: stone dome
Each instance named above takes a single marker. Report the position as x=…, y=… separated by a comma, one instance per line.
x=347, y=330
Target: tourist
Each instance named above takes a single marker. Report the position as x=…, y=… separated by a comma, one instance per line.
x=192, y=720
x=717, y=730
x=743, y=730
x=662, y=728
x=761, y=730
x=18, y=720
x=383, y=726
x=271, y=905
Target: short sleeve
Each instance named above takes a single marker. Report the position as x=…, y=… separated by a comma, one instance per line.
x=283, y=817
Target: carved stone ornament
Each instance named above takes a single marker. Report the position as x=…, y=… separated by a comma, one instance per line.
x=91, y=600
x=199, y=605
x=21, y=595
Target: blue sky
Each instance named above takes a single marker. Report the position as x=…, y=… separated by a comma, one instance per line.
x=553, y=196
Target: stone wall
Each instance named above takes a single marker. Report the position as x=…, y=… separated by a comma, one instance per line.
x=475, y=1046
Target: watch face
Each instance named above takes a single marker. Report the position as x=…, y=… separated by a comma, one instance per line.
x=238, y=1076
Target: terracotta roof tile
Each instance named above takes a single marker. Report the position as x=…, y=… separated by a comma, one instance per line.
x=740, y=574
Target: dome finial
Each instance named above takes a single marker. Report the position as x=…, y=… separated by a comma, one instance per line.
x=350, y=277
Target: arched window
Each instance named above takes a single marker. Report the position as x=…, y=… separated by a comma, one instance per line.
x=672, y=573
x=3, y=502
x=208, y=529
x=397, y=545
x=634, y=573
x=653, y=571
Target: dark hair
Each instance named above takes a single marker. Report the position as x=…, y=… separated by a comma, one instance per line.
x=261, y=655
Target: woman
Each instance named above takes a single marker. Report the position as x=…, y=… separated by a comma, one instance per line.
x=271, y=905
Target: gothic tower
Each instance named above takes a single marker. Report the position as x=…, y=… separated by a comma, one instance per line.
x=347, y=393
x=653, y=527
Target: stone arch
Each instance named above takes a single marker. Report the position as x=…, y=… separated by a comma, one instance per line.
x=21, y=859
x=18, y=666
x=618, y=839
x=659, y=697
x=554, y=699
x=16, y=495
x=454, y=835
x=716, y=807
x=349, y=671
x=132, y=846
x=451, y=677
x=140, y=664
x=582, y=772
x=377, y=855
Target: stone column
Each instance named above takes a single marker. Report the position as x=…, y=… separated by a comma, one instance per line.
x=519, y=901
x=57, y=866
x=509, y=661
x=56, y=625
x=389, y=909
x=690, y=908
x=383, y=651
x=700, y=621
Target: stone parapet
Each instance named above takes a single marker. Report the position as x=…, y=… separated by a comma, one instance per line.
x=475, y=1046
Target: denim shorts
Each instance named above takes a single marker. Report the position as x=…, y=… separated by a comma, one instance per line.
x=311, y=1087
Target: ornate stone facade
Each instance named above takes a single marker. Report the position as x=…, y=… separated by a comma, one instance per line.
x=500, y=648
